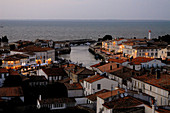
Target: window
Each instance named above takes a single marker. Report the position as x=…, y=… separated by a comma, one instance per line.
x=98, y=86
x=150, y=88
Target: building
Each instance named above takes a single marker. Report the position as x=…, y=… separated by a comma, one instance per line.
x=114, y=46
x=44, y=43
x=3, y=74
x=74, y=90
x=44, y=55
x=139, y=63
x=9, y=93
x=15, y=61
x=155, y=85
x=37, y=81
x=108, y=96
x=96, y=83
x=77, y=73
x=56, y=103
x=52, y=74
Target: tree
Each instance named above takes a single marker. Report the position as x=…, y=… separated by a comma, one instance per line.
x=107, y=37
x=4, y=39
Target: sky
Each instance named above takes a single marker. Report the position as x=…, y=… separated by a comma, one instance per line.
x=85, y=9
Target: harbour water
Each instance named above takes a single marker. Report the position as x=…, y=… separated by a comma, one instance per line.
x=80, y=54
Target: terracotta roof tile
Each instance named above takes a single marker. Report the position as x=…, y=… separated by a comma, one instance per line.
x=93, y=97
x=139, y=60
x=121, y=103
x=111, y=93
x=117, y=60
x=3, y=70
x=106, y=67
x=162, y=82
x=74, y=86
x=55, y=72
x=11, y=91
x=33, y=48
x=93, y=78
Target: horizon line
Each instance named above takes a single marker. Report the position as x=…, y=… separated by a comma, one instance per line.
x=90, y=19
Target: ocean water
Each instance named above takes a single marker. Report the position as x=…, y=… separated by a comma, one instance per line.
x=80, y=29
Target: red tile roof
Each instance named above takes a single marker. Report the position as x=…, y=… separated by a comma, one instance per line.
x=93, y=97
x=3, y=70
x=117, y=60
x=74, y=86
x=33, y=48
x=139, y=60
x=122, y=103
x=55, y=72
x=106, y=67
x=111, y=93
x=11, y=91
x=12, y=72
x=93, y=78
x=162, y=82
x=15, y=57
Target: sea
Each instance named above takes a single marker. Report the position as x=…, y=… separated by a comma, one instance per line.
x=81, y=29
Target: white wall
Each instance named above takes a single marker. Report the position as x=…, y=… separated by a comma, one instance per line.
x=75, y=93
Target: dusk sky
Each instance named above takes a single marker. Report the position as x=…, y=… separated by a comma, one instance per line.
x=85, y=9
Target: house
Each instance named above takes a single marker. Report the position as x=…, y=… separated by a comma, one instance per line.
x=139, y=63
x=15, y=61
x=107, y=67
x=77, y=73
x=56, y=103
x=92, y=99
x=155, y=85
x=3, y=74
x=9, y=93
x=37, y=81
x=113, y=45
x=108, y=96
x=52, y=74
x=74, y=89
x=96, y=83
x=123, y=77
x=44, y=55
x=122, y=62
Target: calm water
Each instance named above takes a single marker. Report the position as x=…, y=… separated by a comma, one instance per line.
x=81, y=54
x=80, y=29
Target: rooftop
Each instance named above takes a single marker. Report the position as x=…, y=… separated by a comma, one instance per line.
x=93, y=78
x=139, y=60
x=121, y=103
x=33, y=48
x=110, y=67
x=111, y=93
x=117, y=60
x=74, y=86
x=93, y=97
x=3, y=70
x=162, y=82
x=37, y=78
x=11, y=91
x=55, y=72
x=15, y=57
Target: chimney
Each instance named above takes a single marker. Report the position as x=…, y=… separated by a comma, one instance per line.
x=95, y=73
x=39, y=97
x=149, y=35
x=153, y=106
x=117, y=65
x=158, y=74
x=110, y=67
